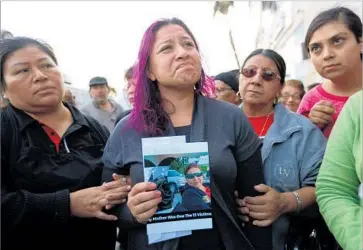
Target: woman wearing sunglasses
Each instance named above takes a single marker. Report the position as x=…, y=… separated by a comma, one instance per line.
x=195, y=196
x=292, y=150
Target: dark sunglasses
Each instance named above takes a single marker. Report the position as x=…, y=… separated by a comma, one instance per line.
x=267, y=75
x=191, y=176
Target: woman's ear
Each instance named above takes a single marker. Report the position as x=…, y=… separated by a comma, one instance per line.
x=151, y=76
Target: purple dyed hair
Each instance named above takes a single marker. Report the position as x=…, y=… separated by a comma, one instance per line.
x=148, y=115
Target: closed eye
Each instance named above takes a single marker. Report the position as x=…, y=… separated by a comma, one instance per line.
x=165, y=48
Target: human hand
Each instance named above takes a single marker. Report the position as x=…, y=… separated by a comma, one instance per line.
x=89, y=202
x=143, y=201
x=322, y=113
x=263, y=209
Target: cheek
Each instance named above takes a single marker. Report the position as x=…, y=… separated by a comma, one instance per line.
x=316, y=63
x=242, y=84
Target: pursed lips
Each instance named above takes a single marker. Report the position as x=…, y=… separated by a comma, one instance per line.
x=183, y=65
x=330, y=66
x=42, y=89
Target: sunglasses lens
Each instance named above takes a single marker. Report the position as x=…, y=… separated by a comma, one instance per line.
x=191, y=176
x=268, y=75
x=249, y=72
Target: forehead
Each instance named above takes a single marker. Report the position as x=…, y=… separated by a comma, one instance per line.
x=220, y=83
x=291, y=89
x=170, y=31
x=26, y=54
x=261, y=61
x=193, y=170
x=329, y=30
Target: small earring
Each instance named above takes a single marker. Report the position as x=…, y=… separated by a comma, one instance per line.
x=239, y=95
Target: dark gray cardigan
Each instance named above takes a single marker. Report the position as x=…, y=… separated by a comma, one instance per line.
x=231, y=140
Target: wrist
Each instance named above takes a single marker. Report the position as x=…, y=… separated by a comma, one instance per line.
x=289, y=202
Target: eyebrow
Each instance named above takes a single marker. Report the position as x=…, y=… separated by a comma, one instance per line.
x=170, y=40
x=338, y=34
x=24, y=63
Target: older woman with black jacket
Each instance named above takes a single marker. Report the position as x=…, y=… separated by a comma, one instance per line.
x=51, y=192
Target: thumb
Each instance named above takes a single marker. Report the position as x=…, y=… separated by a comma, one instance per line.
x=262, y=188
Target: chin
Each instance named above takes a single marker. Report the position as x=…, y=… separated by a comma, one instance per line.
x=333, y=74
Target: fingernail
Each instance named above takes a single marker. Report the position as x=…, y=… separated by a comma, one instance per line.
x=128, y=188
x=123, y=200
x=124, y=180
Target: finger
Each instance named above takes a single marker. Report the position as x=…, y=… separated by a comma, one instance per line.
x=262, y=188
x=245, y=210
x=122, y=191
x=103, y=216
x=240, y=202
x=140, y=198
x=116, y=201
x=142, y=187
x=108, y=207
x=325, y=103
x=323, y=109
x=257, y=200
x=256, y=208
x=123, y=178
x=245, y=219
x=117, y=196
x=112, y=185
x=262, y=223
x=259, y=216
x=144, y=217
x=318, y=120
x=319, y=115
x=146, y=206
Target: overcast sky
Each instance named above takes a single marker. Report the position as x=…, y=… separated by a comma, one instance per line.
x=102, y=38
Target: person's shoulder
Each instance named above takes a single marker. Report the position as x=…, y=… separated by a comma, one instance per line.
x=299, y=119
x=355, y=99
x=87, y=107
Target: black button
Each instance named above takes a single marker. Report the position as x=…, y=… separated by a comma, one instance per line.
x=52, y=133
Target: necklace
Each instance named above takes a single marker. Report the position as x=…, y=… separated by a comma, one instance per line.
x=264, y=125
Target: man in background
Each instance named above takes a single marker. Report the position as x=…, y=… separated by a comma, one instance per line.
x=103, y=109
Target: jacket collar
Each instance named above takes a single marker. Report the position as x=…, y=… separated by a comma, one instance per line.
x=284, y=125
x=24, y=120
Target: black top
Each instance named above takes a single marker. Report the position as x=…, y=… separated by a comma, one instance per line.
x=260, y=238
x=200, y=239
x=35, y=186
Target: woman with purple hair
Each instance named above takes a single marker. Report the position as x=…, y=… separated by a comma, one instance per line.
x=172, y=97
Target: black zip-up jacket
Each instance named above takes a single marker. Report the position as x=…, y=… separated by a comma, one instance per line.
x=36, y=181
